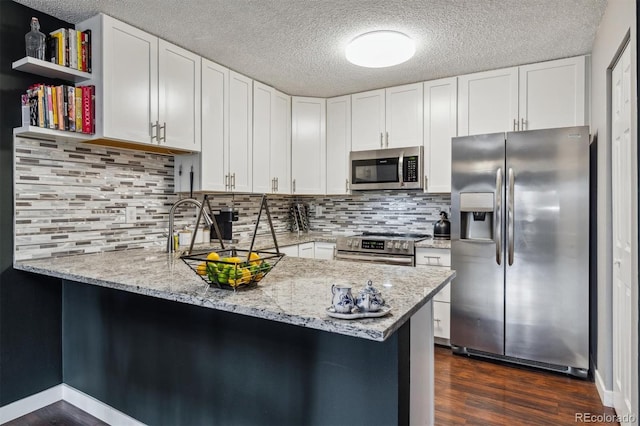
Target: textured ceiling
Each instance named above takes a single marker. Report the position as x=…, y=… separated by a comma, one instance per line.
x=298, y=46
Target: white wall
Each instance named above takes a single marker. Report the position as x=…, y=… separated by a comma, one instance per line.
x=618, y=20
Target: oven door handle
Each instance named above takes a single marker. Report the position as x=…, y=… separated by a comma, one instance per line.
x=405, y=260
x=400, y=169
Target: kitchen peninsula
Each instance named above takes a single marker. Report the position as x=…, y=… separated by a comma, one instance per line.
x=267, y=355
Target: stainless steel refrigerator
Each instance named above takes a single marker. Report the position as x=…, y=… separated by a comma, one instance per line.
x=520, y=247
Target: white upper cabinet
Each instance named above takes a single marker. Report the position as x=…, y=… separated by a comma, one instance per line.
x=440, y=112
x=338, y=144
x=488, y=102
x=387, y=118
x=147, y=90
x=271, y=140
x=552, y=94
x=210, y=164
x=403, y=116
x=179, y=94
x=280, y=159
x=537, y=96
x=367, y=120
x=308, y=145
x=240, y=133
x=215, y=126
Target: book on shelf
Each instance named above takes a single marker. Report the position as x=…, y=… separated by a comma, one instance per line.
x=70, y=48
x=61, y=107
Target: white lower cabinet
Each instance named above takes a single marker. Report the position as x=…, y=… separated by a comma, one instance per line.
x=441, y=301
x=289, y=250
x=306, y=250
x=325, y=250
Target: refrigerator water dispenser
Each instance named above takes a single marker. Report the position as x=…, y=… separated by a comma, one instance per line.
x=476, y=215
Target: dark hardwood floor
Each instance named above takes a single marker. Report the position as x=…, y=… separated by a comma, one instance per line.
x=59, y=413
x=468, y=392
x=471, y=391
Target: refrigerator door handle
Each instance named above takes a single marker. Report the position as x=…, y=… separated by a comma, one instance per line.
x=510, y=218
x=497, y=231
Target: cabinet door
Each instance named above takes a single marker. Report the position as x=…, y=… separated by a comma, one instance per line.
x=552, y=94
x=488, y=102
x=240, y=132
x=262, y=99
x=215, y=126
x=442, y=320
x=338, y=144
x=403, y=116
x=308, y=145
x=440, y=125
x=306, y=250
x=130, y=82
x=289, y=250
x=367, y=120
x=280, y=142
x=433, y=257
x=179, y=94
x=325, y=250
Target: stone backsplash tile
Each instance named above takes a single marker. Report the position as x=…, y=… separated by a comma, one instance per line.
x=71, y=198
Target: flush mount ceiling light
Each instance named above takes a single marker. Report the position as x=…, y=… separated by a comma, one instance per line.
x=379, y=49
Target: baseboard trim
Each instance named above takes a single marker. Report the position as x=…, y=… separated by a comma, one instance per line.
x=96, y=408
x=606, y=396
x=31, y=403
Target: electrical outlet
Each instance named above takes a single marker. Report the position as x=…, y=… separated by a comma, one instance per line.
x=130, y=214
x=318, y=211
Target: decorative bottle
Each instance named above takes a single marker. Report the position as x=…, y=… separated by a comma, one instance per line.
x=35, y=40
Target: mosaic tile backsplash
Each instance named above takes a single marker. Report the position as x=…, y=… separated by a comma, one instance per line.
x=71, y=198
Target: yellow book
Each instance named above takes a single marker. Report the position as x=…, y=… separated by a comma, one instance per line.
x=79, y=50
x=41, y=104
x=78, y=109
x=59, y=35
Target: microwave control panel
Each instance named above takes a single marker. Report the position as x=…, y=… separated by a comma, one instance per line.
x=410, y=169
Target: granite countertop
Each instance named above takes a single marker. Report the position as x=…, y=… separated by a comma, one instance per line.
x=297, y=291
x=434, y=243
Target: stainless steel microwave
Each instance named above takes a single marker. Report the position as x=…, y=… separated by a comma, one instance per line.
x=391, y=168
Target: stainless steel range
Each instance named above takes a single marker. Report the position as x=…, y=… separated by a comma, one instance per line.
x=379, y=247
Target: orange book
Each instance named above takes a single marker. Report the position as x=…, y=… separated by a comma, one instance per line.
x=54, y=106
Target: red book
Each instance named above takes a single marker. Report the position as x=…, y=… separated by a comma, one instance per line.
x=93, y=109
x=86, y=109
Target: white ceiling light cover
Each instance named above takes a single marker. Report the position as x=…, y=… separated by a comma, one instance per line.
x=380, y=49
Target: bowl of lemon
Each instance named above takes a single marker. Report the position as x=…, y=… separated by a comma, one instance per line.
x=232, y=268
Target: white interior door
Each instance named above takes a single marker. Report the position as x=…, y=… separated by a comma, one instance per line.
x=622, y=184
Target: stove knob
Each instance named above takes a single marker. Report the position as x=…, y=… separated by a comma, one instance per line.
x=396, y=245
x=349, y=243
x=356, y=243
x=405, y=246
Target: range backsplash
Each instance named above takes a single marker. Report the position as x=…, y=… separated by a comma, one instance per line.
x=70, y=198
x=389, y=211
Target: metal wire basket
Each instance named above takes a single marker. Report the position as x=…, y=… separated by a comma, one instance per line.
x=232, y=269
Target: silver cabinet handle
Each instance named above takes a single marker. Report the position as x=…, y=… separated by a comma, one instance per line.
x=381, y=144
x=426, y=182
x=277, y=185
x=497, y=230
x=437, y=320
x=273, y=184
x=226, y=182
x=334, y=253
x=387, y=137
x=510, y=216
x=233, y=180
x=346, y=185
x=293, y=184
x=515, y=124
x=162, y=128
x=151, y=127
x=523, y=123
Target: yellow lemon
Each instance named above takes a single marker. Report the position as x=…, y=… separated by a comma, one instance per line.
x=213, y=256
x=254, y=258
x=202, y=269
x=232, y=259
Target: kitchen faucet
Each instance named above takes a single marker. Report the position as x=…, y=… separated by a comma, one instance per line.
x=172, y=211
